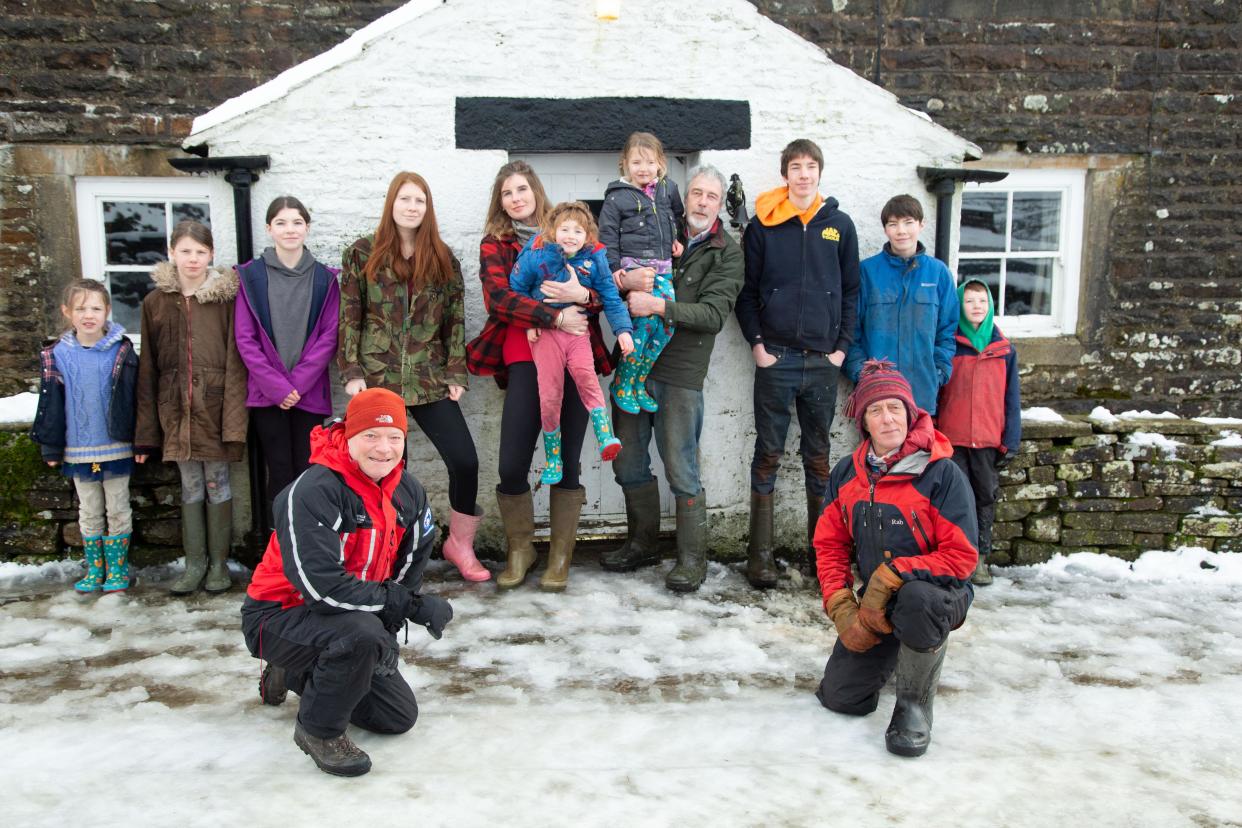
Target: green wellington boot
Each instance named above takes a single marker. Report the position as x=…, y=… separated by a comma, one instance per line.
x=194, y=542
x=219, y=541
x=691, y=569
x=760, y=564
x=642, y=517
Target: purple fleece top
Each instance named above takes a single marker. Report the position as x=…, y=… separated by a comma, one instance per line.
x=269, y=381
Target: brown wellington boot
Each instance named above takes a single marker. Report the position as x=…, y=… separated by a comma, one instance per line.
x=814, y=506
x=517, y=513
x=564, y=510
x=760, y=565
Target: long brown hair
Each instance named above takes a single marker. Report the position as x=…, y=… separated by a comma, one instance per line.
x=432, y=263
x=498, y=223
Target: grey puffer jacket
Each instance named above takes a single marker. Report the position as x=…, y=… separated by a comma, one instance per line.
x=631, y=224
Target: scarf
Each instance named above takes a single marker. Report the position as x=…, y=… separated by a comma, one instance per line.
x=981, y=336
x=524, y=232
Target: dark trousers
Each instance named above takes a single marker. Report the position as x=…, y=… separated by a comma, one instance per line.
x=285, y=438
x=979, y=466
x=445, y=427
x=922, y=616
x=520, y=428
x=807, y=381
x=329, y=661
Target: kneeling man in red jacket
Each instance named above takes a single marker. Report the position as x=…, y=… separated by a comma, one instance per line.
x=342, y=574
x=902, y=511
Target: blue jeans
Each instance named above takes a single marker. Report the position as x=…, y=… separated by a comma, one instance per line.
x=808, y=381
x=677, y=427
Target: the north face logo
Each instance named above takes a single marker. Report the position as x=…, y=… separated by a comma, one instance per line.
x=383, y=418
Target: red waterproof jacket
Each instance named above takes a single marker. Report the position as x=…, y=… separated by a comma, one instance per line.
x=339, y=535
x=980, y=406
x=920, y=516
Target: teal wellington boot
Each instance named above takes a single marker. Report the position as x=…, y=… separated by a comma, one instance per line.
x=609, y=445
x=93, y=582
x=555, y=469
x=116, y=556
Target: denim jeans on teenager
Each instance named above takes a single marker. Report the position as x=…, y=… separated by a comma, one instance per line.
x=677, y=427
x=806, y=380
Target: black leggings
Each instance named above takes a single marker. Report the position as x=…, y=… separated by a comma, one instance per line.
x=520, y=428
x=446, y=428
x=285, y=438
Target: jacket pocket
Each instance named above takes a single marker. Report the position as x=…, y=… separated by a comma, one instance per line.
x=778, y=312
x=376, y=342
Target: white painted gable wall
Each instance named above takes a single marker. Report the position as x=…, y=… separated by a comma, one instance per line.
x=338, y=127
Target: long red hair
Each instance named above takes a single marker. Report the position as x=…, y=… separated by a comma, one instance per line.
x=432, y=263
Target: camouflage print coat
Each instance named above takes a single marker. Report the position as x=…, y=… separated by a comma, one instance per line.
x=413, y=345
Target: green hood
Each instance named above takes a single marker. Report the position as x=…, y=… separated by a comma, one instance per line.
x=981, y=336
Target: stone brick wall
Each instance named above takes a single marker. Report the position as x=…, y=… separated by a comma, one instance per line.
x=1120, y=487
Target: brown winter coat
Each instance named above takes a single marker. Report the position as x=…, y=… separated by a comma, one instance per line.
x=191, y=380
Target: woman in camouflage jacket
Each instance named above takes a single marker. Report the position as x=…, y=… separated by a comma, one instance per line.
x=403, y=328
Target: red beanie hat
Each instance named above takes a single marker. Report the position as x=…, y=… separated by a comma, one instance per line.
x=880, y=380
x=375, y=408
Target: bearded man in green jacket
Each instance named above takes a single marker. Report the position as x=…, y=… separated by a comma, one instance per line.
x=706, y=278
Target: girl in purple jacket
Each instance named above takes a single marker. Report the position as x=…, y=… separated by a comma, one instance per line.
x=287, y=310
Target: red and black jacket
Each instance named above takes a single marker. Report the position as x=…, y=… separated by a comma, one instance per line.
x=919, y=517
x=980, y=406
x=339, y=534
x=485, y=353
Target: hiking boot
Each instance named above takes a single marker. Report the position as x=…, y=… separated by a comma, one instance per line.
x=272, y=687
x=338, y=756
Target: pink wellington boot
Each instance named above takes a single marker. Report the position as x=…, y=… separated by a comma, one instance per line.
x=459, y=546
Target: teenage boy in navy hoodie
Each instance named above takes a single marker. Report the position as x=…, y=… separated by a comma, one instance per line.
x=796, y=310
x=907, y=307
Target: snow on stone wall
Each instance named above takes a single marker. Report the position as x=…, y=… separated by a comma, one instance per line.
x=386, y=103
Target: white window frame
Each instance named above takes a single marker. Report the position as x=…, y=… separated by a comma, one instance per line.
x=92, y=192
x=1067, y=263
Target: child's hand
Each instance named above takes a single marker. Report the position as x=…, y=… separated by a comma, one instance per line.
x=627, y=343
x=140, y=458
x=53, y=463
x=678, y=248
x=532, y=335
x=618, y=279
x=355, y=386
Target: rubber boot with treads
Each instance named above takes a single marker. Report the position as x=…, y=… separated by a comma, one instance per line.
x=982, y=576
x=642, y=517
x=517, y=513
x=918, y=676
x=95, y=573
x=760, y=564
x=564, y=510
x=194, y=542
x=219, y=541
x=691, y=569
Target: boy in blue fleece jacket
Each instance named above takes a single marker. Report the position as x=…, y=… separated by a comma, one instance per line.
x=907, y=307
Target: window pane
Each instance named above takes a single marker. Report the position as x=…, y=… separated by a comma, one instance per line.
x=983, y=222
x=128, y=289
x=985, y=270
x=1028, y=286
x=135, y=232
x=1036, y=221
x=196, y=211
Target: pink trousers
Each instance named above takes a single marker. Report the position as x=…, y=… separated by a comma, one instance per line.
x=556, y=352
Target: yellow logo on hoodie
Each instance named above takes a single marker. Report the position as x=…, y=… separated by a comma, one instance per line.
x=831, y=234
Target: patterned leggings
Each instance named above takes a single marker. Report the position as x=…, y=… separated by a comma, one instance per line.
x=651, y=334
x=204, y=479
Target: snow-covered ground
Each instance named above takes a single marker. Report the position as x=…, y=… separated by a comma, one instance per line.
x=1080, y=692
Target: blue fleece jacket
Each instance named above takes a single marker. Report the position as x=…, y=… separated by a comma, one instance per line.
x=542, y=260
x=907, y=313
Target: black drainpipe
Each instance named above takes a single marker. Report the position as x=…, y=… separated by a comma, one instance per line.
x=241, y=171
x=942, y=183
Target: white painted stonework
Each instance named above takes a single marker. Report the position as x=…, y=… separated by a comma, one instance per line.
x=338, y=127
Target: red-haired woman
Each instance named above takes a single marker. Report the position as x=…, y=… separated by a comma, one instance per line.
x=518, y=205
x=403, y=328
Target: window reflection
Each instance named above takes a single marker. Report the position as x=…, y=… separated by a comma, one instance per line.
x=128, y=289
x=135, y=232
x=1028, y=286
x=1036, y=221
x=983, y=222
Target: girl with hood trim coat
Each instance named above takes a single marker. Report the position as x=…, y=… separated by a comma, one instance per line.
x=192, y=396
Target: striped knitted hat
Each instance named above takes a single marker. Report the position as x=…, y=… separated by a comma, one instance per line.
x=880, y=380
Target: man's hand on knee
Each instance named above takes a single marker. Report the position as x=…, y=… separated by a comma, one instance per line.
x=432, y=611
x=842, y=608
x=881, y=587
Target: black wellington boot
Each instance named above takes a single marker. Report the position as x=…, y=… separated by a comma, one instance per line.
x=642, y=516
x=981, y=576
x=760, y=564
x=918, y=675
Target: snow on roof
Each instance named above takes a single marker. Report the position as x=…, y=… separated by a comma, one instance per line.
x=295, y=76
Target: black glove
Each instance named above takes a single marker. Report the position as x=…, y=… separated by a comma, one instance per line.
x=1003, y=459
x=387, y=664
x=398, y=604
x=432, y=612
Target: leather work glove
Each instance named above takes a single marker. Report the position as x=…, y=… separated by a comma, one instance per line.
x=432, y=612
x=842, y=608
x=398, y=604
x=880, y=588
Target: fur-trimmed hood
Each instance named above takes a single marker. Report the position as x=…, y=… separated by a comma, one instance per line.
x=220, y=286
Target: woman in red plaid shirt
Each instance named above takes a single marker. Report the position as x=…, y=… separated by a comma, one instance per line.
x=518, y=205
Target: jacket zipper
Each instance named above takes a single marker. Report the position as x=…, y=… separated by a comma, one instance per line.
x=189, y=370
x=918, y=524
